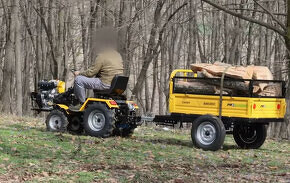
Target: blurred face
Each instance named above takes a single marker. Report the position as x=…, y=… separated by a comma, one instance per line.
x=105, y=38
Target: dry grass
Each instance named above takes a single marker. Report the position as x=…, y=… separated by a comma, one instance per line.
x=30, y=154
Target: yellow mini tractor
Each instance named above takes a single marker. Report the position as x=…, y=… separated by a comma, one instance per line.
x=107, y=113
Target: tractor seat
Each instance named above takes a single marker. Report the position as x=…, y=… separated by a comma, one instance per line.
x=118, y=86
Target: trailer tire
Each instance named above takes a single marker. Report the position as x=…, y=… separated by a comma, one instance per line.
x=98, y=120
x=250, y=136
x=208, y=133
x=56, y=121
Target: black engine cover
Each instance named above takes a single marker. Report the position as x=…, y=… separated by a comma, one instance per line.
x=46, y=85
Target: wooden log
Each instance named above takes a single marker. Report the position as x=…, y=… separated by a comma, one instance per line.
x=236, y=86
x=217, y=69
x=226, y=91
x=263, y=73
x=194, y=87
x=271, y=90
x=256, y=89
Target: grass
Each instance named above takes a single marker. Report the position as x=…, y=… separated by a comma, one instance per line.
x=30, y=154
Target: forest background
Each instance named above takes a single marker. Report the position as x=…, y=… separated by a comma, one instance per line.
x=44, y=39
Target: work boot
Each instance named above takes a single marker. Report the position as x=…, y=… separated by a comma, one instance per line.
x=75, y=107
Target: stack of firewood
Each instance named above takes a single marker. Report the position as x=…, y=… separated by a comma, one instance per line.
x=231, y=87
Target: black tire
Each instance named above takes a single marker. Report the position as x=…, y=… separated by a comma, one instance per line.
x=98, y=120
x=56, y=121
x=127, y=132
x=75, y=125
x=249, y=136
x=208, y=133
x=124, y=132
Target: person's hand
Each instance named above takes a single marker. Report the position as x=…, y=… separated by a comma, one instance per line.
x=76, y=73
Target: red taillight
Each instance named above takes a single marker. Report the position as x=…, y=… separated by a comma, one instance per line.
x=278, y=106
x=254, y=106
x=135, y=105
x=113, y=102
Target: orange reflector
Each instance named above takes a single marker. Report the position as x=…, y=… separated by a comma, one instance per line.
x=278, y=106
x=254, y=106
x=113, y=102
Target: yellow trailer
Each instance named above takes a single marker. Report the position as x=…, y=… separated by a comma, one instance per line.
x=213, y=114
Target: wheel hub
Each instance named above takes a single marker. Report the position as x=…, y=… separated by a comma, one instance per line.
x=55, y=122
x=206, y=133
x=96, y=120
x=248, y=134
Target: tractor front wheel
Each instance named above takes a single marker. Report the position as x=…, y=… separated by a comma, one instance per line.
x=56, y=121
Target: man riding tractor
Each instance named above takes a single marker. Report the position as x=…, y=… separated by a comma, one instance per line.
x=107, y=64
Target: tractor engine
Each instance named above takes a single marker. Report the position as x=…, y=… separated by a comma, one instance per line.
x=47, y=92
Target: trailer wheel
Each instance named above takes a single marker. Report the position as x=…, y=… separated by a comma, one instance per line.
x=250, y=136
x=75, y=125
x=208, y=133
x=56, y=121
x=98, y=121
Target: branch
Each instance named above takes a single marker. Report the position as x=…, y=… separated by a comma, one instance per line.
x=259, y=11
x=48, y=34
x=168, y=20
x=270, y=13
x=235, y=14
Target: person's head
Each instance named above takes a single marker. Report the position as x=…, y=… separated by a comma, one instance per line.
x=104, y=38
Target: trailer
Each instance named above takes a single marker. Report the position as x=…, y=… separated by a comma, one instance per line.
x=245, y=115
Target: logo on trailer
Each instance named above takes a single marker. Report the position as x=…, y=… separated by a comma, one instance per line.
x=208, y=103
x=236, y=105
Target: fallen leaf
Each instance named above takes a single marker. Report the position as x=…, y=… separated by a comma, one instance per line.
x=13, y=149
x=45, y=174
x=178, y=181
x=273, y=168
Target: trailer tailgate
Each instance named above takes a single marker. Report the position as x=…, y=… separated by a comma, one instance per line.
x=268, y=108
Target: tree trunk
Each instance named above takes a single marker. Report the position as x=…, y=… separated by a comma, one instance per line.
x=8, y=63
x=18, y=60
x=150, y=49
x=250, y=44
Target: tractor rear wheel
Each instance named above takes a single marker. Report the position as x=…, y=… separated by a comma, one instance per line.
x=250, y=136
x=56, y=121
x=98, y=120
x=208, y=133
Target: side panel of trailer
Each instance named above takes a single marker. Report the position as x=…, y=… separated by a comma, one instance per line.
x=247, y=106
x=242, y=107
